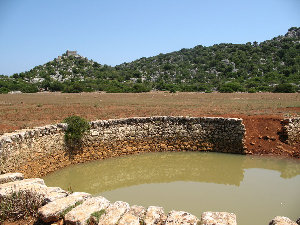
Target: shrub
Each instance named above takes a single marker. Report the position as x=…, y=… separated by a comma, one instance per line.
x=4, y=90
x=75, y=131
x=284, y=88
x=20, y=205
x=252, y=90
x=231, y=87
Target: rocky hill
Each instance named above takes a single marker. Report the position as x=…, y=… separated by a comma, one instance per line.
x=272, y=65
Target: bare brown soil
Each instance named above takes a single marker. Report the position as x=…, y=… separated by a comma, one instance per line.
x=261, y=112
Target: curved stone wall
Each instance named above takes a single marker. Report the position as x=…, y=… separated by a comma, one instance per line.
x=110, y=138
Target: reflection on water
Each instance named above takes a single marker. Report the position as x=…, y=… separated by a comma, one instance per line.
x=193, y=182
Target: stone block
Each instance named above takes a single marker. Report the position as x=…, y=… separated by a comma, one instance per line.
x=154, y=215
x=113, y=213
x=281, y=220
x=180, y=217
x=15, y=186
x=35, y=186
x=135, y=216
x=220, y=218
x=82, y=213
x=54, y=210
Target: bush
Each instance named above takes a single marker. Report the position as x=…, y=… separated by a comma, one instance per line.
x=252, y=90
x=284, y=88
x=20, y=205
x=4, y=90
x=231, y=87
x=76, y=129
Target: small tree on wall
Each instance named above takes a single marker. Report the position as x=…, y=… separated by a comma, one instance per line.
x=77, y=128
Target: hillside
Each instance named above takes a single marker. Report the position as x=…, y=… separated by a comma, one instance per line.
x=272, y=65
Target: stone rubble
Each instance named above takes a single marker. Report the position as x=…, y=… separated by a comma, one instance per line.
x=290, y=132
x=35, y=185
x=10, y=177
x=135, y=216
x=220, y=218
x=80, y=214
x=113, y=213
x=53, y=210
x=154, y=215
x=281, y=220
x=180, y=217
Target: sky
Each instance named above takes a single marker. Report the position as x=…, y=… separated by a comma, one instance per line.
x=33, y=32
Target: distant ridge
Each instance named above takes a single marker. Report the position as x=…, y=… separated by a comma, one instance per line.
x=272, y=65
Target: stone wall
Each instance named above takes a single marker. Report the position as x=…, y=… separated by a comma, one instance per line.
x=110, y=138
x=290, y=132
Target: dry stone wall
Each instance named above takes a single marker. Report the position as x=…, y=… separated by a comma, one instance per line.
x=291, y=130
x=109, y=138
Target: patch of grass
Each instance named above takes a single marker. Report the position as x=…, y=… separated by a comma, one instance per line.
x=20, y=205
x=70, y=208
x=95, y=216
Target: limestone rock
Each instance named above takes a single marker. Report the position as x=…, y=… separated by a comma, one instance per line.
x=34, y=185
x=129, y=219
x=114, y=213
x=15, y=186
x=82, y=213
x=52, y=193
x=180, y=217
x=53, y=210
x=134, y=216
x=10, y=177
x=220, y=218
x=154, y=215
x=281, y=220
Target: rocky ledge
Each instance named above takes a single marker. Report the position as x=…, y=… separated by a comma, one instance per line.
x=81, y=208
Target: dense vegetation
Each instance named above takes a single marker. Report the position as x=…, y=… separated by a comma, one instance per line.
x=272, y=65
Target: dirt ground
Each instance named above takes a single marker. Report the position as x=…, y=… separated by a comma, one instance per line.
x=261, y=112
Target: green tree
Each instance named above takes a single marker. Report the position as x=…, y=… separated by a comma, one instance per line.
x=77, y=127
x=284, y=88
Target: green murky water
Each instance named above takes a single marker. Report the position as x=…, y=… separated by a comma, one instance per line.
x=256, y=189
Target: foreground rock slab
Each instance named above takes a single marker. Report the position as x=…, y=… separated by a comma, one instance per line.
x=54, y=210
x=135, y=216
x=219, y=218
x=281, y=220
x=114, y=213
x=35, y=186
x=154, y=215
x=180, y=217
x=10, y=177
x=7, y=189
x=80, y=214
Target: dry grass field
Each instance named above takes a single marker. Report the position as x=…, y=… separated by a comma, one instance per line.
x=261, y=112
x=19, y=111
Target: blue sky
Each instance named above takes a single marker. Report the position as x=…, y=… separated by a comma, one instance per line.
x=33, y=32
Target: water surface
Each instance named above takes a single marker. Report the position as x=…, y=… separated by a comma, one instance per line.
x=256, y=189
